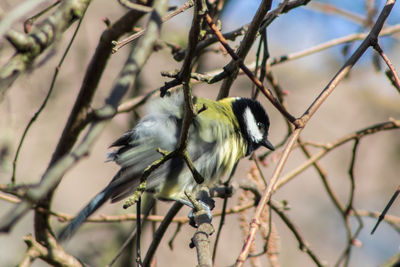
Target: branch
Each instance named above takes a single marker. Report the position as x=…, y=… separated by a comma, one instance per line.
x=341, y=40
x=160, y=232
x=389, y=125
x=16, y=14
x=54, y=255
x=394, y=77
x=303, y=246
x=201, y=239
x=249, y=73
x=245, y=46
x=127, y=76
x=39, y=39
x=386, y=209
x=122, y=43
x=332, y=9
x=301, y=122
x=43, y=105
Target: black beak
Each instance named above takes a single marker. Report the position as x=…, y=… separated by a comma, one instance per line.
x=267, y=144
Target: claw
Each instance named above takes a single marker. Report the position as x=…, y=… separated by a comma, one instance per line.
x=207, y=213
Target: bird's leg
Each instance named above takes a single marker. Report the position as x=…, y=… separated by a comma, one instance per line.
x=201, y=207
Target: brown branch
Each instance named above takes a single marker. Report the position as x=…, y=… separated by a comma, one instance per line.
x=303, y=245
x=53, y=254
x=160, y=232
x=122, y=43
x=248, y=72
x=39, y=39
x=244, y=47
x=184, y=76
x=127, y=76
x=303, y=121
x=332, y=9
x=29, y=21
x=43, y=105
x=395, y=78
x=384, y=126
x=334, y=42
x=80, y=117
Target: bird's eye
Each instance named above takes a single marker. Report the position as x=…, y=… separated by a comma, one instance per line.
x=260, y=125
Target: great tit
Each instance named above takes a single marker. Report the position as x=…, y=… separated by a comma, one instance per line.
x=223, y=133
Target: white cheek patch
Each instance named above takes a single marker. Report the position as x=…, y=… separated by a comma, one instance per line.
x=252, y=128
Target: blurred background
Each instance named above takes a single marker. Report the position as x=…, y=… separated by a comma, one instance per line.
x=364, y=98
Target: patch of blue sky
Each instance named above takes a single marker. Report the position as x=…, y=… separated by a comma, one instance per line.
x=304, y=27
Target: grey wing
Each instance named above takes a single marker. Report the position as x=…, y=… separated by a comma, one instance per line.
x=137, y=149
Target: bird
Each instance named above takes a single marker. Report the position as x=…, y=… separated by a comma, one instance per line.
x=224, y=132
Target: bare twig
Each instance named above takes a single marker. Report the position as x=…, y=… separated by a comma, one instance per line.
x=122, y=43
x=223, y=215
x=248, y=72
x=396, y=80
x=39, y=39
x=332, y=9
x=300, y=239
x=29, y=22
x=384, y=126
x=127, y=76
x=53, y=254
x=334, y=42
x=43, y=105
x=16, y=14
x=160, y=232
x=304, y=119
x=386, y=209
x=244, y=47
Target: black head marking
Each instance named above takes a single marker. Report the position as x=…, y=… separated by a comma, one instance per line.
x=253, y=122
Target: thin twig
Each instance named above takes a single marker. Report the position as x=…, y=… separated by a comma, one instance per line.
x=244, y=47
x=248, y=72
x=303, y=246
x=396, y=80
x=384, y=126
x=160, y=232
x=386, y=209
x=43, y=105
x=223, y=215
x=303, y=121
x=122, y=43
x=29, y=22
x=334, y=42
x=127, y=76
x=332, y=9
x=349, y=207
x=133, y=233
x=40, y=37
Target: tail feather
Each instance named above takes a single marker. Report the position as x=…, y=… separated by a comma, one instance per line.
x=90, y=208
